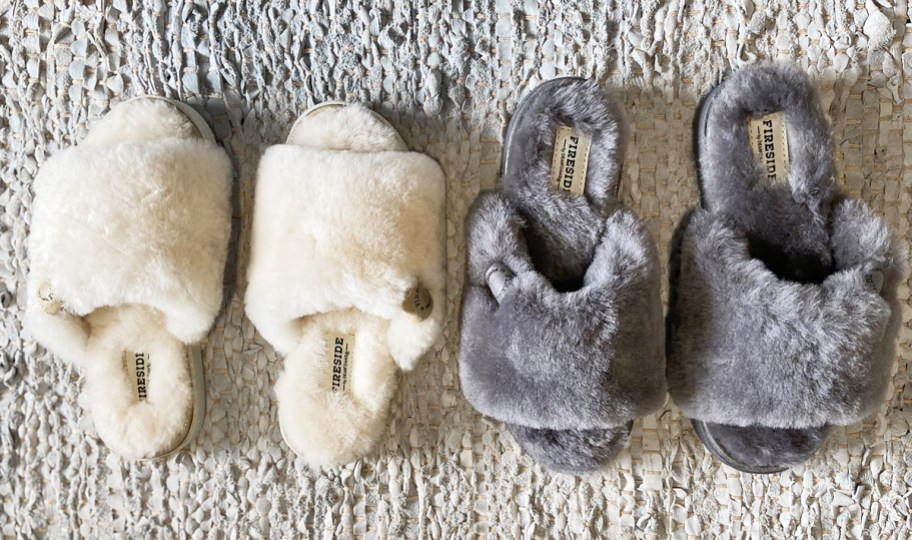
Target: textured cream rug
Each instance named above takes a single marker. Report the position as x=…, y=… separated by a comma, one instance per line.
x=447, y=75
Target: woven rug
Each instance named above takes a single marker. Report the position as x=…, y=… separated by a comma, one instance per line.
x=447, y=75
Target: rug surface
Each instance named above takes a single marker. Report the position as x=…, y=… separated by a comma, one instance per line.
x=447, y=75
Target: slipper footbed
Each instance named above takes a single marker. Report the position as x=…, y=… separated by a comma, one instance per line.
x=138, y=381
x=333, y=409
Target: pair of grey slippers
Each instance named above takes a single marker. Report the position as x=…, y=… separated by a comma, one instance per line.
x=782, y=311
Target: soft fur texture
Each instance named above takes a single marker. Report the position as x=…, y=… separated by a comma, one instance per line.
x=771, y=322
x=328, y=428
x=130, y=427
x=130, y=232
x=750, y=348
x=128, y=219
x=574, y=349
x=562, y=248
x=575, y=450
x=544, y=358
x=364, y=131
x=789, y=233
x=339, y=237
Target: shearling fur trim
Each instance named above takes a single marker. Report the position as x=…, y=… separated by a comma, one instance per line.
x=542, y=358
x=340, y=235
x=131, y=222
x=339, y=229
x=750, y=348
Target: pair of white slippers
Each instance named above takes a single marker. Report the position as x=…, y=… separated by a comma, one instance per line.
x=129, y=239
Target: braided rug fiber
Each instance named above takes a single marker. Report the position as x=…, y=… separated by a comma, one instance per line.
x=447, y=75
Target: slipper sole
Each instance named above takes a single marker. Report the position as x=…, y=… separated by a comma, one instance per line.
x=309, y=114
x=198, y=380
x=545, y=445
x=803, y=443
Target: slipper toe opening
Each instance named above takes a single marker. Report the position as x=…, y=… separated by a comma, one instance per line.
x=572, y=451
x=759, y=449
x=144, y=118
x=348, y=127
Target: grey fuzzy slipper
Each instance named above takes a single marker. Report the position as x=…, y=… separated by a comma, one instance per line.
x=783, y=312
x=562, y=319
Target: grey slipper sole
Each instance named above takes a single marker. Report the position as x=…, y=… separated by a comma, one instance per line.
x=561, y=327
x=572, y=451
x=751, y=449
x=566, y=451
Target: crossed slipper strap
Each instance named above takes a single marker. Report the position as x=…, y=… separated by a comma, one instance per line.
x=143, y=222
x=337, y=229
x=540, y=358
x=748, y=348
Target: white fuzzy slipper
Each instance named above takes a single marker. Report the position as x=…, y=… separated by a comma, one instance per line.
x=128, y=241
x=346, y=276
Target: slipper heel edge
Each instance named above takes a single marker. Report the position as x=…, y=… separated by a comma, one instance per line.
x=195, y=117
x=198, y=379
x=710, y=443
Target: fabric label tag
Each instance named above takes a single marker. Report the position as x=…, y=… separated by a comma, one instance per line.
x=136, y=365
x=570, y=160
x=340, y=348
x=769, y=143
x=418, y=302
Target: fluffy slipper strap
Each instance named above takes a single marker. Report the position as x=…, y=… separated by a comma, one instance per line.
x=364, y=231
x=748, y=348
x=140, y=222
x=541, y=358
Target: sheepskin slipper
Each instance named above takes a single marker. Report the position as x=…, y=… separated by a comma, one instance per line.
x=346, y=276
x=562, y=332
x=129, y=236
x=784, y=310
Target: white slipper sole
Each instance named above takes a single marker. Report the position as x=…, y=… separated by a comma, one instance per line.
x=337, y=246
x=124, y=291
